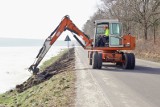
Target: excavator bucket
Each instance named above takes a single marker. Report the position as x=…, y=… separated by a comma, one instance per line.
x=34, y=69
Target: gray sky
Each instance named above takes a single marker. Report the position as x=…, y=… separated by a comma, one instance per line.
x=38, y=18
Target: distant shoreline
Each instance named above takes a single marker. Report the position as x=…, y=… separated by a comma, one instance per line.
x=20, y=42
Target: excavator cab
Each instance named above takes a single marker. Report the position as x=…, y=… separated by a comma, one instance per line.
x=111, y=47
x=115, y=32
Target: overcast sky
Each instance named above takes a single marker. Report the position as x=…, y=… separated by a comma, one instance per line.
x=38, y=18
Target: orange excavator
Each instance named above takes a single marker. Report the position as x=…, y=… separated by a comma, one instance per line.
x=97, y=54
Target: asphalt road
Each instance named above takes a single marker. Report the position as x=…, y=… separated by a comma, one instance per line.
x=113, y=86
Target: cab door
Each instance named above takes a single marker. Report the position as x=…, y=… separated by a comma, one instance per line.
x=115, y=38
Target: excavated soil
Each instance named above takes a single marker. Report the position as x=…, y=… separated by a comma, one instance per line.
x=66, y=62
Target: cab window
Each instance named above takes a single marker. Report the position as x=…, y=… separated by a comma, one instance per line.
x=115, y=29
x=100, y=29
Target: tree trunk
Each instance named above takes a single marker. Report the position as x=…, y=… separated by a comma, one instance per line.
x=145, y=32
x=154, y=34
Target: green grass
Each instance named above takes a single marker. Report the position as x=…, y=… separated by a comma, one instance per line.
x=57, y=91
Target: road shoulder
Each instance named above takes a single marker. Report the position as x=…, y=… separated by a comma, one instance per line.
x=88, y=93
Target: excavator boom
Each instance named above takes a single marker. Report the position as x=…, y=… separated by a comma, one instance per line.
x=65, y=24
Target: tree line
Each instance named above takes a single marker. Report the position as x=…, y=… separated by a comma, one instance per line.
x=139, y=17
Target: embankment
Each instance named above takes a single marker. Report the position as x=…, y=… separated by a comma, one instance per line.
x=54, y=87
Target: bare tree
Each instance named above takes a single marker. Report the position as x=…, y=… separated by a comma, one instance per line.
x=145, y=13
x=119, y=9
x=88, y=28
x=137, y=16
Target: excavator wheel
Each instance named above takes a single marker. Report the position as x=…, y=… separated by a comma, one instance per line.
x=132, y=61
x=99, y=60
x=129, y=61
x=90, y=58
x=95, y=60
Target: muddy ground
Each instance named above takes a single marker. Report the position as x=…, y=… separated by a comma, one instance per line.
x=67, y=61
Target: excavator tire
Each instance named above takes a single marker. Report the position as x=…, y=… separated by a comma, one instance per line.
x=90, y=58
x=99, y=60
x=132, y=61
x=95, y=60
x=129, y=59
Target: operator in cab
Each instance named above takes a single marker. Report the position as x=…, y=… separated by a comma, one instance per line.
x=106, y=35
x=103, y=40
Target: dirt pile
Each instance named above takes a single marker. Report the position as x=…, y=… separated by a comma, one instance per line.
x=61, y=65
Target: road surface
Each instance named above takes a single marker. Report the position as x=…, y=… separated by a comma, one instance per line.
x=115, y=87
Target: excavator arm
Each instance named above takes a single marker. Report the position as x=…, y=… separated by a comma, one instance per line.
x=65, y=24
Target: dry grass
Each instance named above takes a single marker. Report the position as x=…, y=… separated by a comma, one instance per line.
x=148, y=50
